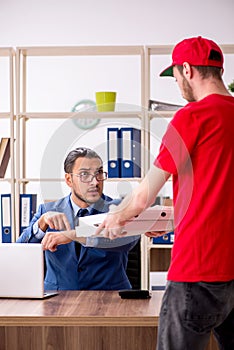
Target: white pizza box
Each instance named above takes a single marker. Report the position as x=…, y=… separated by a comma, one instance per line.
x=157, y=218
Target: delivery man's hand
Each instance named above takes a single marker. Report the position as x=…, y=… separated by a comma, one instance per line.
x=111, y=227
x=155, y=233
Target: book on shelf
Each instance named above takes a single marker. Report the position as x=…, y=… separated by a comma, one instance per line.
x=4, y=155
x=160, y=106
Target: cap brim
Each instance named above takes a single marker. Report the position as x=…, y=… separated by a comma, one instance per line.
x=168, y=72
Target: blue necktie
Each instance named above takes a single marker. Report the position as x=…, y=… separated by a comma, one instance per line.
x=81, y=212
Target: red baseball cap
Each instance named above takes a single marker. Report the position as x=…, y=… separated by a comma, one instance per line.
x=197, y=52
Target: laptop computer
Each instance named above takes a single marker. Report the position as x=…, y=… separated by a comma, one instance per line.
x=22, y=271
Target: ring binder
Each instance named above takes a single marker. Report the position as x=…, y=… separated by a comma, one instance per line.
x=113, y=152
x=28, y=204
x=124, y=152
x=130, y=140
x=6, y=218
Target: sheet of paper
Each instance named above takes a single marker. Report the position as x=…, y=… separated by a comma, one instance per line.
x=157, y=218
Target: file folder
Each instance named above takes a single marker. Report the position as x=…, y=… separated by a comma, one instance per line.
x=162, y=106
x=113, y=152
x=28, y=206
x=168, y=238
x=6, y=218
x=130, y=152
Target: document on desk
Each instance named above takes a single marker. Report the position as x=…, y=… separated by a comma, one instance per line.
x=158, y=218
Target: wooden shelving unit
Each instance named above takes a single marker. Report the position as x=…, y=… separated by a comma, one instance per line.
x=8, y=53
x=23, y=115
x=153, y=257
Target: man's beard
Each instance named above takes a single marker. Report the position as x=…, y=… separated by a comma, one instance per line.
x=85, y=200
x=187, y=91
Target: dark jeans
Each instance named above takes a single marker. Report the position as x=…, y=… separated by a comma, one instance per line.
x=190, y=311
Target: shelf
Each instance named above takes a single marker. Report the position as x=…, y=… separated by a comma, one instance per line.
x=7, y=52
x=26, y=180
x=162, y=114
x=7, y=179
x=158, y=49
x=160, y=246
x=227, y=48
x=5, y=115
x=112, y=179
x=83, y=115
x=80, y=50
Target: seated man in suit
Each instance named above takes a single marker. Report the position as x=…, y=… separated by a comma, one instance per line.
x=96, y=264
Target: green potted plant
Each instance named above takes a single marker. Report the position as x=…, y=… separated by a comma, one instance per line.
x=231, y=86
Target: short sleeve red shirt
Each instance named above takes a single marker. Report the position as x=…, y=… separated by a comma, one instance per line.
x=198, y=149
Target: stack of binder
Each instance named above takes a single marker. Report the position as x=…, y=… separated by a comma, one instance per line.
x=28, y=204
x=124, y=152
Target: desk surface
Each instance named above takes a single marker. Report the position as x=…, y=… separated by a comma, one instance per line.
x=81, y=320
x=86, y=308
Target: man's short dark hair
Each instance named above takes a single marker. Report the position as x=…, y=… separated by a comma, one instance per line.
x=205, y=71
x=80, y=152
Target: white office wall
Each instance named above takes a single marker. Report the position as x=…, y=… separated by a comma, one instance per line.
x=95, y=22
x=91, y=22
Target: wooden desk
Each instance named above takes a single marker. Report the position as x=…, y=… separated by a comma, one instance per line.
x=80, y=320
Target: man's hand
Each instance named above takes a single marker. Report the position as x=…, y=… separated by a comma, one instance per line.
x=155, y=233
x=111, y=227
x=54, y=220
x=52, y=239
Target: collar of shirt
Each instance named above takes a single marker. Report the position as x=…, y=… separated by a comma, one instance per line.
x=76, y=207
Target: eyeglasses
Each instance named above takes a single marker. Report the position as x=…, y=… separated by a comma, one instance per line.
x=87, y=177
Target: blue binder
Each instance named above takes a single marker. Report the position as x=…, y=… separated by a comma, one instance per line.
x=130, y=152
x=113, y=149
x=28, y=206
x=168, y=238
x=6, y=218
